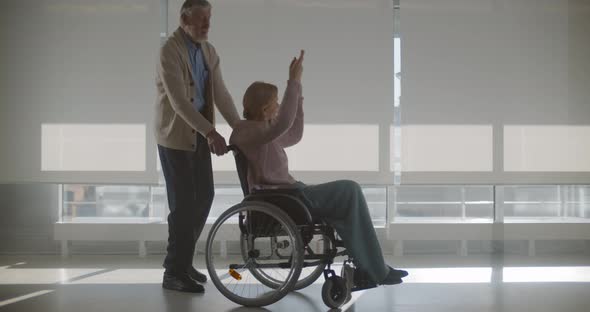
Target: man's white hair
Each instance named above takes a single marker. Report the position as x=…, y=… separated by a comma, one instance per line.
x=189, y=5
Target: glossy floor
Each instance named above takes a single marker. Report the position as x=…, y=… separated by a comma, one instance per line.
x=436, y=283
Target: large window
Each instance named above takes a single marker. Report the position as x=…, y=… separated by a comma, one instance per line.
x=450, y=203
x=93, y=147
x=498, y=96
x=493, y=92
x=84, y=202
x=495, y=102
x=77, y=90
x=343, y=147
x=82, y=111
x=131, y=203
x=561, y=203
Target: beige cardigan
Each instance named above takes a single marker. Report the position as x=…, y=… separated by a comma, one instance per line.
x=176, y=120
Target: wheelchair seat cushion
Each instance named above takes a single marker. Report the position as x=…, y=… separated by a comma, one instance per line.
x=291, y=201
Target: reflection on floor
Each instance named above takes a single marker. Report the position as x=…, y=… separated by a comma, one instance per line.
x=436, y=283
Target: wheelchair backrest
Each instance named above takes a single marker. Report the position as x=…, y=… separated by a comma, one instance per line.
x=291, y=201
x=242, y=168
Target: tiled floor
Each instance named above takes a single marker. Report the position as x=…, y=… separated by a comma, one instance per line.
x=436, y=283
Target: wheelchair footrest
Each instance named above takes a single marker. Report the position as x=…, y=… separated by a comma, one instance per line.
x=363, y=287
x=281, y=265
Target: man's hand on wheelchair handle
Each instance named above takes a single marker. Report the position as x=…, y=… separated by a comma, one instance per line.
x=216, y=143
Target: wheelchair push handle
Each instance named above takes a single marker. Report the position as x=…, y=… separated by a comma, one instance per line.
x=233, y=148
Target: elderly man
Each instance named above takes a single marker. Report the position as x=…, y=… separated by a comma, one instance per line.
x=189, y=82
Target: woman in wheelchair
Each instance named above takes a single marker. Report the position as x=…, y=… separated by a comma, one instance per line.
x=262, y=137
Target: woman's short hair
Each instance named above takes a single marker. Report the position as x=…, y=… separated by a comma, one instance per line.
x=256, y=96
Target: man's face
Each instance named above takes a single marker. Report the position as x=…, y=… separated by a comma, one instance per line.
x=197, y=24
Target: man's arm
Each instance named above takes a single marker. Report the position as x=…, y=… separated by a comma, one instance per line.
x=169, y=70
x=223, y=99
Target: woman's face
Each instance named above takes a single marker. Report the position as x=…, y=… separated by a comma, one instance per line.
x=271, y=109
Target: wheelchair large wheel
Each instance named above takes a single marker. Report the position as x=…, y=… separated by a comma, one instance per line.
x=268, y=279
x=320, y=244
x=270, y=246
x=308, y=274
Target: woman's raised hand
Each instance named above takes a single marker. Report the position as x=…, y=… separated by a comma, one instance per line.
x=296, y=67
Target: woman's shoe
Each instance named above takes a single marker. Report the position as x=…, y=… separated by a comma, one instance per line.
x=362, y=280
x=393, y=277
x=400, y=273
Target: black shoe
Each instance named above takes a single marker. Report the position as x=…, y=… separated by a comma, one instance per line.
x=197, y=276
x=400, y=273
x=181, y=283
x=362, y=281
x=393, y=278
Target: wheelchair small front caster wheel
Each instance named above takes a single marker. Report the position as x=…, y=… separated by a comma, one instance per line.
x=334, y=292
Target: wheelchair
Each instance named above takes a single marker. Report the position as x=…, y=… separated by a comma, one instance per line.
x=282, y=248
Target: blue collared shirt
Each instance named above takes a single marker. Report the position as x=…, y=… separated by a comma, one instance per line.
x=199, y=71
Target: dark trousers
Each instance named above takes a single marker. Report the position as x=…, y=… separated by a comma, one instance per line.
x=189, y=185
x=343, y=206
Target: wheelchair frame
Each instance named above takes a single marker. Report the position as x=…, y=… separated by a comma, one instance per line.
x=288, y=207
